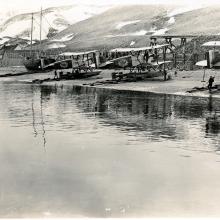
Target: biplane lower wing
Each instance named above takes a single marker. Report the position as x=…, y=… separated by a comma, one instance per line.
x=62, y=64
x=160, y=63
x=118, y=62
x=202, y=63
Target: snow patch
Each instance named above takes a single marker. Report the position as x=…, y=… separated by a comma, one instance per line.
x=13, y=30
x=56, y=45
x=64, y=38
x=124, y=23
x=3, y=40
x=160, y=31
x=152, y=31
x=137, y=33
x=171, y=20
x=57, y=18
x=81, y=12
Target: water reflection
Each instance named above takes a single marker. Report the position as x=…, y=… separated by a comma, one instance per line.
x=93, y=152
x=213, y=124
x=42, y=121
x=213, y=119
x=145, y=112
x=155, y=117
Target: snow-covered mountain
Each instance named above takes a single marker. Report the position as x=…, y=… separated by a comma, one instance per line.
x=126, y=26
x=79, y=27
x=129, y=25
x=54, y=19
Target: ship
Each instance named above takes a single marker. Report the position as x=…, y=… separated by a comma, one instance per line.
x=36, y=61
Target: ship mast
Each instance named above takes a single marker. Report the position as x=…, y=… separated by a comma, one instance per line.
x=32, y=22
x=41, y=14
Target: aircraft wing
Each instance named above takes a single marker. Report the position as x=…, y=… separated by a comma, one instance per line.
x=77, y=53
x=159, y=46
x=121, y=61
x=130, y=49
x=105, y=64
x=202, y=63
x=119, y=58
x=57, y=62
x=62, y=64
x=160, y=63
x=211, y=44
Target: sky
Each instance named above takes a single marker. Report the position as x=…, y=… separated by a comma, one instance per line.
x=27, y=5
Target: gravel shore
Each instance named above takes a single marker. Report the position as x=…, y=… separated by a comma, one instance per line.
x=178, y=85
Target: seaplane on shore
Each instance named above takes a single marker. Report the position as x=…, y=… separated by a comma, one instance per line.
x=212, y=56
x=77, y=64
x=142, y=60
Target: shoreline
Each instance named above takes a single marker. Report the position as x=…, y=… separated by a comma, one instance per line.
x=177, y=85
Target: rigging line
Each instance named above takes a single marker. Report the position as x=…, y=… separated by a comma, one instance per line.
x=47, y=21
x=45, y=31
x=59, y=49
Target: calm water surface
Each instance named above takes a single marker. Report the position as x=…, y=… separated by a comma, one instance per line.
x=72, y=152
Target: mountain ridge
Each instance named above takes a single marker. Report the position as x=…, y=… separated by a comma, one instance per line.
x=131, y=25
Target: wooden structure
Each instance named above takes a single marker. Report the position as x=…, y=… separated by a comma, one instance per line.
x=177, y=47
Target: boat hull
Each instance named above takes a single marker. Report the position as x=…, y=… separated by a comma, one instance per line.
x=35, y=64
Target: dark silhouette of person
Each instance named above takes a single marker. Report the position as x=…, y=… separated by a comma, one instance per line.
x=211, y=81
x=55, y=75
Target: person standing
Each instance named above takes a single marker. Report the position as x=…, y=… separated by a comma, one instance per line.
x=55, y=75
x=211, y=81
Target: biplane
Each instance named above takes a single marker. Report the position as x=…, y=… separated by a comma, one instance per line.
x=142, y=60
x=77, y=64
x=212, y=56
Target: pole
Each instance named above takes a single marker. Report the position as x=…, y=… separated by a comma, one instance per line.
x=203, y=78
x=40, y=29
x=164, y=66
x=32, y=21
x=174, y=59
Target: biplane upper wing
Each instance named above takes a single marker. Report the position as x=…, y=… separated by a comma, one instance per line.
x=114, y=60
x=131, y=49
x=77, y=53
x=211, y=44
x=160, y=63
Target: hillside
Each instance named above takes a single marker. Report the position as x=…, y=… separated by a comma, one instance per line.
x=81, y=27
x=122, y=26
x=54, y=19
x=132, y=26
x=200, y=21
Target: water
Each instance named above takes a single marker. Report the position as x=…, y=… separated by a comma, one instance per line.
x=82, y=152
